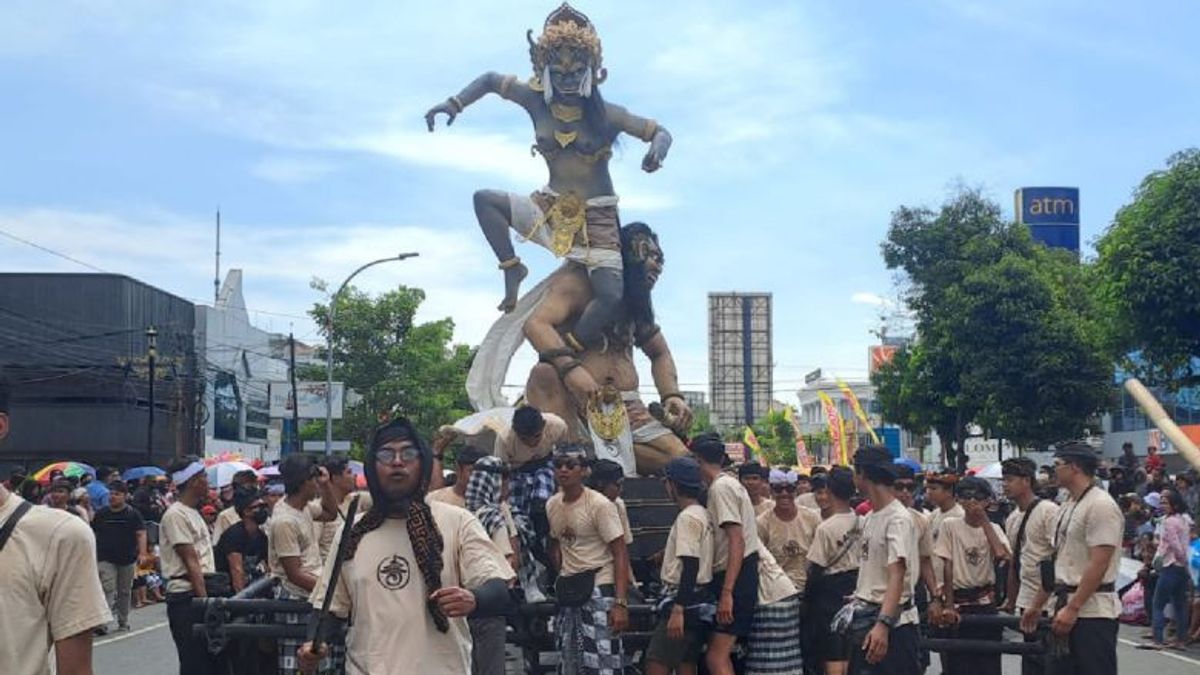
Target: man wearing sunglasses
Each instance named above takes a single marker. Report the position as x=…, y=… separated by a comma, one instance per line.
x=787, y=530
x=905, y=487
x=588, y=547
x=1030, y=529
x=1087, y=535
x=969, y=548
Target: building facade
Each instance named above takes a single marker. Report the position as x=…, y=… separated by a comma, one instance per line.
x=740, y=365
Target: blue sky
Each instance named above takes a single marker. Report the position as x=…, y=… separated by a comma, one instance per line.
x=799, y=126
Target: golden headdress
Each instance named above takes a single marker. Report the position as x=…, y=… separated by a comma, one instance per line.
x=566, y=27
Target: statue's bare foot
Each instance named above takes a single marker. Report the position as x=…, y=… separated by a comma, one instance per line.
x=513, y=276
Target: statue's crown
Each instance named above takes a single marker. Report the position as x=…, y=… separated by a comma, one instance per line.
x=566, y=13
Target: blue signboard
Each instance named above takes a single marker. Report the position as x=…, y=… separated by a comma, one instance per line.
x=1048, y=206
x=1052, y=214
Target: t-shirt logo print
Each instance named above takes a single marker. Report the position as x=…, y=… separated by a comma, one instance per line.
x=791, y=549
x=974, y=556
x=393, y=573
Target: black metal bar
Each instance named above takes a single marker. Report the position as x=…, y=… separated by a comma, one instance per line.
x=1004, y=620
x=238, y=606
x=259, y=588
x=253, y=630
x=948, y=645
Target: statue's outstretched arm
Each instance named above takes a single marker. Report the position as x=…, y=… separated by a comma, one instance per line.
x=506, y=86
x=566, y=297
x=647, y=130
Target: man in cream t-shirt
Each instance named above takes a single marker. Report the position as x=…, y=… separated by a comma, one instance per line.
x=787, y=530
x=413, y=572
x=887, y=573
x=587, y=535
x=50, y=594
x=1087, y=536
x=186, y=552
x=1031, y=546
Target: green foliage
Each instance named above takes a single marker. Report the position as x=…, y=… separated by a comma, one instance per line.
x=396, y=365
x=1008, y=334
x=701, y=422
x=1148, y=276
x=777, y=438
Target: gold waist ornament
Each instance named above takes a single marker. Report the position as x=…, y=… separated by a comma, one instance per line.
x=566, y=218
x=606, y=414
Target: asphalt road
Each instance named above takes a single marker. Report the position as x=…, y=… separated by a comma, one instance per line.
x=148, y=650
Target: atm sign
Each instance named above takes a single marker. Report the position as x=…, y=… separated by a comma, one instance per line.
x=1048, y=205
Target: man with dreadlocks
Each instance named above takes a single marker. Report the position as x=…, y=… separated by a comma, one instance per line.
x=575, y=215
x=413, y=571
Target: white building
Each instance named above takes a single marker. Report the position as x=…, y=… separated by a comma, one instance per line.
x=238, y=366
x=812, y=417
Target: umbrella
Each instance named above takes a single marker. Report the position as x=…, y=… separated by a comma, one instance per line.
x=226, y=456
x=909, y=462
x=269, y=471
x=221, y=474
x=140, y=472
x=360, y=477
x=992, y=471
x=69, y=470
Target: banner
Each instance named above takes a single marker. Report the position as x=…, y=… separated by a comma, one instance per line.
x=311, y=397
x=848, y=394
x=751, y=442
x=837, y=442
x=802, y=457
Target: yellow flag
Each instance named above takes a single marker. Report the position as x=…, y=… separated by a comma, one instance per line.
x=837, y=439
x=751, y=441
x=848, y=394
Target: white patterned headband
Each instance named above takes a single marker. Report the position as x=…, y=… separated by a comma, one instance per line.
x=187, y=473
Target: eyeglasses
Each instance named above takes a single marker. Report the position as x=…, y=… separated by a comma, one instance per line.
x=566, y=464
x=389, y=455
x=904, y=485
x=783, y=488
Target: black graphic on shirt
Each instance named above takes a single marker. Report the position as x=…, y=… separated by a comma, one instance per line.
x=394, y=572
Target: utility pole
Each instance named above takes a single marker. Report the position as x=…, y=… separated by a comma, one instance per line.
x=295, y=394
x=151, y=357
x=217, y=267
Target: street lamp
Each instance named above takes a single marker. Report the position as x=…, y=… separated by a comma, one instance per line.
x=329, y=340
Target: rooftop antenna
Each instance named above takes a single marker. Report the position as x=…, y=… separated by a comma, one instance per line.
x=217, y=269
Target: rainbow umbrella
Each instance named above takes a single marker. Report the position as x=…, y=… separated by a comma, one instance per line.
x=220, y=475
x=69, y=470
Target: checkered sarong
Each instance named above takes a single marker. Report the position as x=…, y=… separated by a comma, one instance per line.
x=585, y=642
x=333, y=664
x=531, y=486
x=773, y=647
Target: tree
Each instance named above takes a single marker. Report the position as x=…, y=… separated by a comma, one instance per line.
x=1007, y=335
x=777, y=438
x=395, y=365
x=1148, y=276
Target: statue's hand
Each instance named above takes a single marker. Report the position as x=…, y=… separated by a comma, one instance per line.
x=582, y=385
x=679, y=413
x=653, y=160
x=443, y=107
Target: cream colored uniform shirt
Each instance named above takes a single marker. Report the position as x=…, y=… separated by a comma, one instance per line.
x=584, y=529
x=828, y=540
x=763, y=506
x=924, y=533
x=290, y=535
x=889, y=535
x=809, y=501
x=447, y=495
x=49, y=586
x=789, y=541
x=969, y=554
x=1095, y=520
x=181, y=524
x=225, y=520
x=621, y=511
x=728, y=502
x=1038, y=546
x=383, y=593
x=511, y=450
x=773, y=583
x=936, y=518
x=691, y=537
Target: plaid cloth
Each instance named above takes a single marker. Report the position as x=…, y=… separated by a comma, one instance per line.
x=483, y=494
x=773, y=647
x=333, y=664
x=532, y=486
x=585, y=642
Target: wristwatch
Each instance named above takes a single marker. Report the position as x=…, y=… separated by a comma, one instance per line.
x=621, y=602
x=889, y=621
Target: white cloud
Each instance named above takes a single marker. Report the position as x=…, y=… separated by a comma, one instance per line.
x=289, y=170
x=867, y=298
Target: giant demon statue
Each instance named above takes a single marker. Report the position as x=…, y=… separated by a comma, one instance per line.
x=575, y=215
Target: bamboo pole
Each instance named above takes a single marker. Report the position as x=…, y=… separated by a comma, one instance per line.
x=1165, y=424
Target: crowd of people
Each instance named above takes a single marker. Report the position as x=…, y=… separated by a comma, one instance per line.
x=765, y=570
